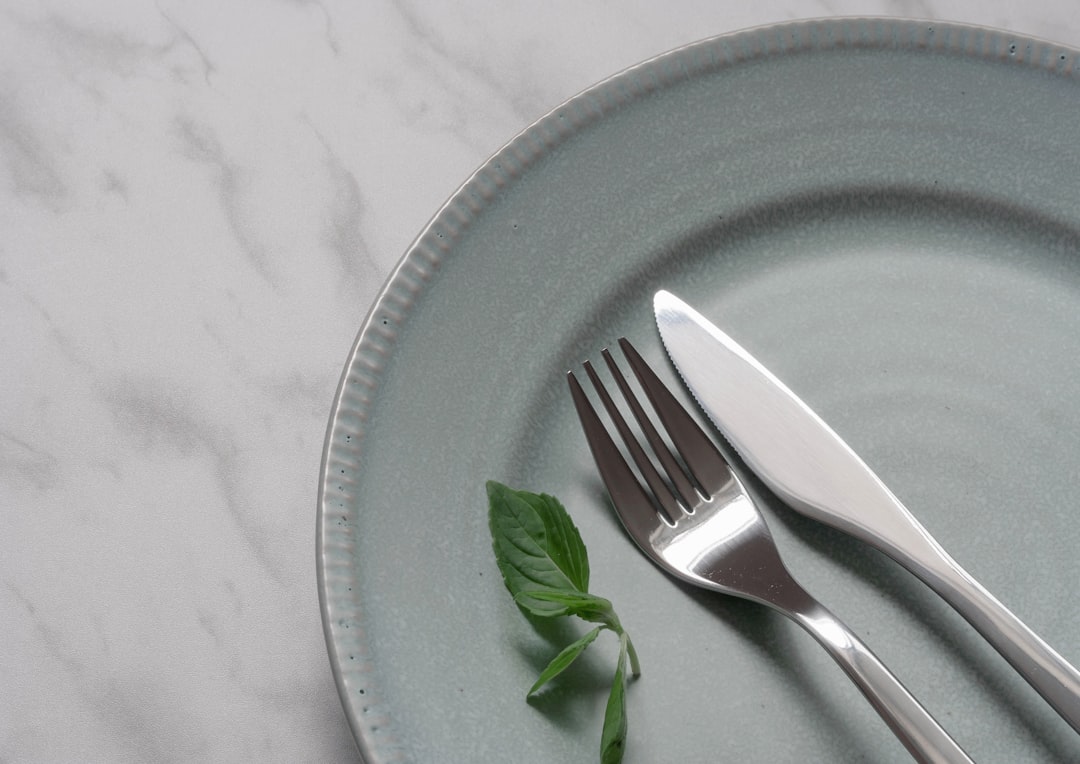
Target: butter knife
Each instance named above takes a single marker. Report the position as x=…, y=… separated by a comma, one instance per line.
x=799, y=457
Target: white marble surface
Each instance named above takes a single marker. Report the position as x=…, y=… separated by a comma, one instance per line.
x=199, y=201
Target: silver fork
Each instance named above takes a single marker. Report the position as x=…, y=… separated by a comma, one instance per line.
x=704, y=528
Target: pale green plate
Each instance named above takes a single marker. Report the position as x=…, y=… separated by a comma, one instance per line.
x=886, y=213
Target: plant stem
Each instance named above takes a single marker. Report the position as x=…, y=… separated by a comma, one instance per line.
x=628, y=648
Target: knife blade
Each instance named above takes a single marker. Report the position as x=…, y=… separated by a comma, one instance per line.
x=805, y=463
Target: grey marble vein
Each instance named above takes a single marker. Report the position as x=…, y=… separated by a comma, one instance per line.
x=201, y=145
x=156, y=417
x=462, y=80
x=452, y=64
x=23, y=461
x=208, y=67
x=32, y=169
x=330, y=33
x=345, y=222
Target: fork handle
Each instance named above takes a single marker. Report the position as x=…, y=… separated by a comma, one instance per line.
x=920, y=733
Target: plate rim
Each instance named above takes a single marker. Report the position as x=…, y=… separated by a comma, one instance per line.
x=341, y=607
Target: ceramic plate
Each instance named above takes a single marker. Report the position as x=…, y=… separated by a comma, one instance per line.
x=887, y=214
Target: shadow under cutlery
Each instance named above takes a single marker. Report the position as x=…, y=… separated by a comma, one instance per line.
x=1008, y=694
x=776, y=637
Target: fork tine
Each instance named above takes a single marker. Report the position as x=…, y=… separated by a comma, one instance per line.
x=682, y=484
x=707, y=465
x=667, y=501
x=629, y=498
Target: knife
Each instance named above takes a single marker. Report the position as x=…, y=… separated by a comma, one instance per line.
x=799, y=457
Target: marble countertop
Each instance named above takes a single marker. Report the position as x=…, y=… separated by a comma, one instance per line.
x=199, y=203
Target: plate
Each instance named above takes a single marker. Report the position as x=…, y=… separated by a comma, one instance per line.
x=886, y=213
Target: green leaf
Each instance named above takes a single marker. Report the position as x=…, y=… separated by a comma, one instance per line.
x=546, y=568
x=613, y=737
x=539, y=607
x=563, y=660
x=536, y=543
x=557, y=602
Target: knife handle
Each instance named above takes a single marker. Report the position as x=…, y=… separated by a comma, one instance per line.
x=1048, y=672
x=912, y=724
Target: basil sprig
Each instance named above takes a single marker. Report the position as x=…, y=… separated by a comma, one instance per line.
x=546, y=568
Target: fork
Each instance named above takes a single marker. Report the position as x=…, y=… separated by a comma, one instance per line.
x=703, y=527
